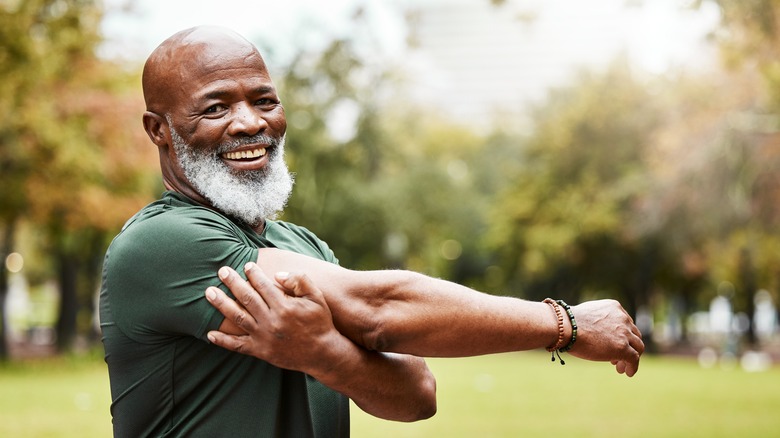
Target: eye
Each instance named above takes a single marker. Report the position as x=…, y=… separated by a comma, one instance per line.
x=213, y=109
x=266, y=102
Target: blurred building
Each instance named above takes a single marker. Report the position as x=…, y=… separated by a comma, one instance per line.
x=477, y=58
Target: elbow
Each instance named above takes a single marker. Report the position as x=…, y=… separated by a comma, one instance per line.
x=424, y=406
x=377, y=337
x=428, y=406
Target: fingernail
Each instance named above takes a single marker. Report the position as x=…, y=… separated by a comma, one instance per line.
x=210, y=294
x=211, y=337
x=223, y=272
x=282, y=275
x=248, y=266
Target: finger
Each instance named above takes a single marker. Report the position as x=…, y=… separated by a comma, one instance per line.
x=262, y=284
x=242, y=290
x=229, y=342
x=289, y=285
x=635, y=330
x=299, y=285
x=637, y=344
x=631, y=368
x=230, y=309
x=620, y=366
x=632, y=363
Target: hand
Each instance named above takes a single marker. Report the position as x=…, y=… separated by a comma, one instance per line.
x=605, y=332
x=289, y=327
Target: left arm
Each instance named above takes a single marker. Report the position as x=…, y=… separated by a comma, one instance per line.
x=297, y=332
x=405, y=312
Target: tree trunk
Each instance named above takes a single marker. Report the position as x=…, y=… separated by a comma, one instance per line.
x=91, y=282
x=7, y=247
x=68, y=282
x=748, y=288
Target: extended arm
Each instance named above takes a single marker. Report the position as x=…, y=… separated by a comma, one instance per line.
x=411, y=313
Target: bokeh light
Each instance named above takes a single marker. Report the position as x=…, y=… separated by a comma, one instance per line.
x=14, y=262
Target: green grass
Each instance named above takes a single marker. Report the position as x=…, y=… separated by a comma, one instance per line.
x=61, y=397
x=526, y=395
x=494, y=396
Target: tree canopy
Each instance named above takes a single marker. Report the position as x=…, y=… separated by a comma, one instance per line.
x=653, y=189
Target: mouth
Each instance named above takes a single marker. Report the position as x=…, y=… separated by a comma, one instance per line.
x=244, y=155
x=251, y=158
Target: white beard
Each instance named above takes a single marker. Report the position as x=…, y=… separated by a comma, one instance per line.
x=249, y=196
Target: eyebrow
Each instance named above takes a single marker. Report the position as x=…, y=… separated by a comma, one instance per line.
x=220, y=94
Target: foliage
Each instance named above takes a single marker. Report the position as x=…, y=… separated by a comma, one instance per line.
x=647, y=189
x=563, y=227
x=65, y=154
x=391, y=188
x=748, y=34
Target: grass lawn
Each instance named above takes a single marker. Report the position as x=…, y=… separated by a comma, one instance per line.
x=526, y=395
x=60, y=397
x=494, y=396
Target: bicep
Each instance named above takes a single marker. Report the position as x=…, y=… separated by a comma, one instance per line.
x=352, y=296
x=160, y=270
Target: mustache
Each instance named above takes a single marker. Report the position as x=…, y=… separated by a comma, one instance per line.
x=272, y=142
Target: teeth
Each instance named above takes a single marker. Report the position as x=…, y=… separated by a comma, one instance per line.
x=238, y=155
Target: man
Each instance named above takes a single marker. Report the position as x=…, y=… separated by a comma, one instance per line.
x=304, y=344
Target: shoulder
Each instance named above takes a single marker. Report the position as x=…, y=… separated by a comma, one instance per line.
x=156, y=270
x=289, y=227
x=175, y=222
x=184, y=234
x=292, y=237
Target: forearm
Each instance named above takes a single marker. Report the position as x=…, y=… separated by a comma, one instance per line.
x=385, y=385
x=296, y=332
x=415, y=314
x=411, y=313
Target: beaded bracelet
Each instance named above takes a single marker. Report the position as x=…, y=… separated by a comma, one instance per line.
x=573, y=326
x=558, y=344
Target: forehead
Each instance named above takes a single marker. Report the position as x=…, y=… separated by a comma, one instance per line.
x=209, y=67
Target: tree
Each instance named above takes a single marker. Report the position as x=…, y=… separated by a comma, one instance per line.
x=562, y=227
x=65, y=154
x=360, y=189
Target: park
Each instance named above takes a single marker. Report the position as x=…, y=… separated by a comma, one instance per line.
x=655, y=185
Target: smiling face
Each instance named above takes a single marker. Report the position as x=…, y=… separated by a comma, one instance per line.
x=214, y=113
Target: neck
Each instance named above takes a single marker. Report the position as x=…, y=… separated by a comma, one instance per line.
x=187, y=191
x=197, y=197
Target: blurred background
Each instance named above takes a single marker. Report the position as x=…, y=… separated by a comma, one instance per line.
x=621, y=149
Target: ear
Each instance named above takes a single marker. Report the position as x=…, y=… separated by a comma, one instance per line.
x=156, y=126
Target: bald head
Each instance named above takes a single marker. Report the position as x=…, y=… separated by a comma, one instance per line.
x=187, y=54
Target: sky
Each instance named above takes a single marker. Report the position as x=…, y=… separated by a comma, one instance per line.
x=549, y=39
x=134, y=28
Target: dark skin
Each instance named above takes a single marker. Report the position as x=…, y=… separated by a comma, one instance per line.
x=406, y=312
x=332, y=322
x=206, y=105
x=220, y=90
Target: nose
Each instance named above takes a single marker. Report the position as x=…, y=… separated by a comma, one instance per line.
x=247, y=120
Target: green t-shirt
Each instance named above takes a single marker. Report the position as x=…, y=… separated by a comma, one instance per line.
x=166, y=379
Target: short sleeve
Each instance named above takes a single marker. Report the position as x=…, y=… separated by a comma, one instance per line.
x=159, y=270
x=295, y=238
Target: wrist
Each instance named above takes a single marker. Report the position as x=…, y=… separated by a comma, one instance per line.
x=335, y=357
x=567, y=328
x=570, y=326
x=563, y=332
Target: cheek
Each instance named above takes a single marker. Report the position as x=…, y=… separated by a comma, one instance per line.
x=278, y=121
x=207, y=133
